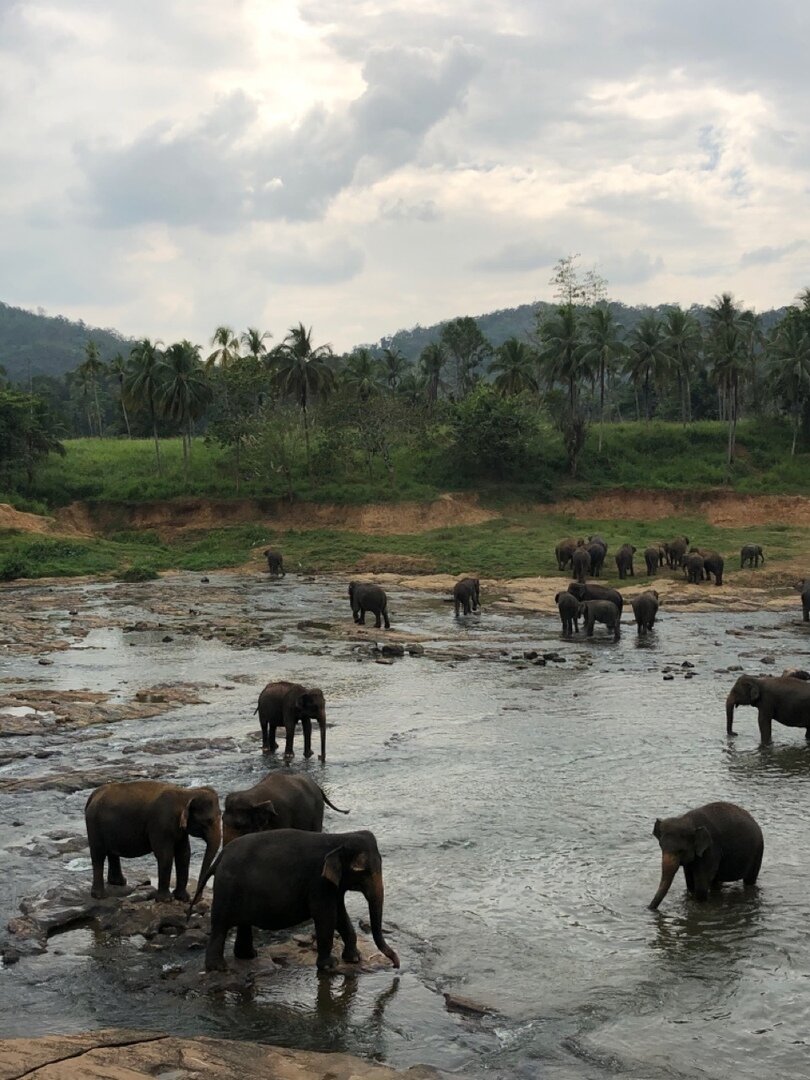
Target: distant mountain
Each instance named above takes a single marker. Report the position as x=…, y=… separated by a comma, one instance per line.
x=51, y=344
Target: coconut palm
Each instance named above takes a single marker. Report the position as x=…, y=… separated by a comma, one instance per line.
x=227, y=348
x=119, y=369
x=303, y=371
x=726, y=348
x=362, y=373
x=253, y=341
x=647, y=361
x=184, y=391
x=562, y=353
x=789, y=375
x=683, y=342
x=90, y=371
x=513, y=368
x=432, y=361
x=603, y=347
x=143, y=382
x=394, y=366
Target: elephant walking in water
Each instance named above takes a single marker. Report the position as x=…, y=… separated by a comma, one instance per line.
x=783, y=698
x=283, y=704
x=467, y=595
x=275, y=563
x=364, y=597
x=280, y=801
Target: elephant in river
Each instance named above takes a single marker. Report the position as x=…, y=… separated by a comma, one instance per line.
x=283, y=704
x=804, y=589
x=275, y=880
x=275, y=563
x=693, y=568
x=568, y=607
x=675, y=551
x=131, y=819
x=751, y=554
x=596, y=592
x=564, y=551
x=783, y=698
x=280, y=801
x=714, y=843
x=645, y=609
x=624, y=560
x=581, y=564
x=653, y=557
x=365, y=597
x=600, y=611
x=467, y=595
x=597, y=549
x=713, y=563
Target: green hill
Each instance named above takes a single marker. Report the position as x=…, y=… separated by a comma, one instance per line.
x=51, y=344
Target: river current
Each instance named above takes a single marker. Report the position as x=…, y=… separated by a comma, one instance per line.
x=514, y=807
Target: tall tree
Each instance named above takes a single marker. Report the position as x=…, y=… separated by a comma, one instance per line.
x=142, y=385
x=303, y=372
x=91, y=371
x=227, y=348
x=467, y=347
x=726, y=347
x=514, y=368
x=394, y=365
x=362, y=373
x=603, y=347
x=562, y=360
x=184, y=391
x=683, y=341
x=253, y=341
x=118, y=369
x=647, y=360
x=432, y=361
x=789, y=375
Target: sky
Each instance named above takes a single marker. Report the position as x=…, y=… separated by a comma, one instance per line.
x=364, y=166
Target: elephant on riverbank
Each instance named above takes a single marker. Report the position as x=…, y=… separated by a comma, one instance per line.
x=568, y=607
x=596, y=592
x=280, y=801
x=364, y=597
x=275, y=563
x=283, y=704
x=751, y=554
x=645, y=609
x=564, y=551
x=714, y=843
x=653, y=557
x=275, y=880
x=581, y=564
x=597, y=549
x=675, y=551
x=467, y=595
x=601, y=611
x=713, y=563
x=783, y=698
x=624, y=560
x=131, y=819
x=804, y=589
x=693, y=568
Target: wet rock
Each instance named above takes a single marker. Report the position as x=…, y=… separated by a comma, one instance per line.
x=530, y=654
x=393, y=650
x=386, y=662
x=416, y=649
x=313, y=624
x=167, y=637
x=44, y=662
x=687, y=664
x=204, y=580
x=669, y=678
x=767, y=660
x=457, y=1003
x=72, y=780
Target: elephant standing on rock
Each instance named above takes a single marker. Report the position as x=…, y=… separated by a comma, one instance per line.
x=275, y=880
x=467, y=595
x=653, y=557
x=675, y=551
x=564, y=551
x=645, y=609
x=714, y=843
x=581, y=564
x=280, y=801
x=783, y=698
x=275, y=563
x=365, y=597
x=134, y=818
x=283, y=704
x=568, y=607
x=624, y=560
x=596, y=592
x=601, y=611
x=597, y=550
x=751, y=554
x=693, y=568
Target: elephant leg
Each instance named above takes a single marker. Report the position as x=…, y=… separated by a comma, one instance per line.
x=272, y=745
x=806, y=614
x=378, y=620
x=347, y=932
x=215, y=952
x=243, y=946
x=97, y=856
x=589, y=627
x=288, y=743
x=455, y=607
x=764, y=722
x=753, y=871
x=362, y=617
x=387, y=620
x=689, y=874
x=115, y=875
x=165, y=857
x=702, y=882
x=325, y=920
x=182, y=858
x=306, y=727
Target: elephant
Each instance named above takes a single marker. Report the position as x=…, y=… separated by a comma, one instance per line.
x=564, y=551
x=645, y=608
x=653, y=557
x=130, y=819
x=624, y=560
x=804, y=589
x=275, y=563
x=597, y=551
x=713, y=563
x=366, y=597
x=280, y=801
x=693, y=568
x=714, y=843
x=597, y=539
x=568, y=606
x=675, y=551
x=783, y=698
x=283, y=704
x=751, y=554
x=467, y=595
x=602, y=611
x=581, y=564
x=275, y=880
x=596, y=592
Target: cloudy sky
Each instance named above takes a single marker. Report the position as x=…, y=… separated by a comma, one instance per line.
x=367, y=165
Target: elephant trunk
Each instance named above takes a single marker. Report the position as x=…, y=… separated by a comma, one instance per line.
x=731, y=705
x=375, y=897
x=212, y=842
x=669, y=868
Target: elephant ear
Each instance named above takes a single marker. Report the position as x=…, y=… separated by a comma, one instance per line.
x=702, y=840
x=359, y=863
x=332, y=866
x=754, y=691
x=265, y=812
x=657, y=829
x=184, y=814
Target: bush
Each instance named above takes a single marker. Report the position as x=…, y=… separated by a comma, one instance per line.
x=138, y=572
x=14, y=566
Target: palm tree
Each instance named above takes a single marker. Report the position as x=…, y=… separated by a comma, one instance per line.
x=227, y=348
x=432, y=360
x=410, y=388
x=303, y=371
x=185, y=391
x=789, y=376
x=604, y=345
x=90, y=371
x=647, y=360
x=253, y=341
x=143, y=381
x=513, y=368
x=362, y=373
x=727, y=350
x=119, y=369
x=562, y=354
x=394, y=365
x=682, y=341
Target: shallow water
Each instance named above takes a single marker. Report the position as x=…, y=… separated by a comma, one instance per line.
x=513, y=805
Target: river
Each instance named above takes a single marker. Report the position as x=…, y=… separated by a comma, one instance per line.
x=513, y=804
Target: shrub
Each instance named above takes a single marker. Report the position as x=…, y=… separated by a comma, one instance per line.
x=138, y=572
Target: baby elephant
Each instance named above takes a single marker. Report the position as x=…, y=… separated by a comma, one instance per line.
x=751, y=554
x=366, y=597
x=467, y=595
x=645, y=608
x=653, y=557
x=715, y=843
x=568, y=607
x=283, y=704
x=275, y=563
x=602, y=611
x=804, y=589
x=280, y=801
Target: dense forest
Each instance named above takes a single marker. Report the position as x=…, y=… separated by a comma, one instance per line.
x=471, y=407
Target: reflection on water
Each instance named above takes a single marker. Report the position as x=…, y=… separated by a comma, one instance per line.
x=513, y=804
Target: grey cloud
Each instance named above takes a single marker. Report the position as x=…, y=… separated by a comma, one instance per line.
x=630, y=269
x=523, y=255
x=763, y=256
x=402, y=210
x=302, y=264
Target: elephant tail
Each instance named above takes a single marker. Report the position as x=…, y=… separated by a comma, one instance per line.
x=202, y=883
x=329, y=803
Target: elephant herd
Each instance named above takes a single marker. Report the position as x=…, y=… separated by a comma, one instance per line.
x=587, y=558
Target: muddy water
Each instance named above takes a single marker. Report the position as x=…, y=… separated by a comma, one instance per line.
x=513, y=804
